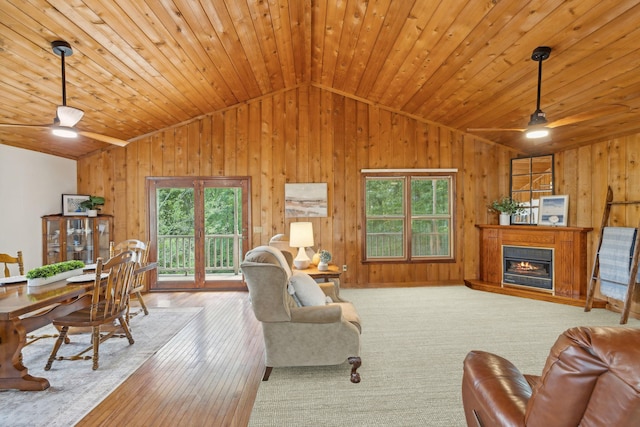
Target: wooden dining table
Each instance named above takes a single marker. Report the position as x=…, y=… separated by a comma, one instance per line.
x=24, y=309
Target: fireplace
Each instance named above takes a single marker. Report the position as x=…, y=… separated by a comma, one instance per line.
x=527, y=266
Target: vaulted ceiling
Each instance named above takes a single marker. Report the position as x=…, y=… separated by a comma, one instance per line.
x=143, y=65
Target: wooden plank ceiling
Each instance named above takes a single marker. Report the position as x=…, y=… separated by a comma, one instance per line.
x=143, y=65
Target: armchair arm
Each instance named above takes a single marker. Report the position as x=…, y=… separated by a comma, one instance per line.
x=317, y=314
x=329, y=289
x=494, y=392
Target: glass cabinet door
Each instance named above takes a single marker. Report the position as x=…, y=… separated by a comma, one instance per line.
x=54, y=242
x=79, y=239
x=102, y=238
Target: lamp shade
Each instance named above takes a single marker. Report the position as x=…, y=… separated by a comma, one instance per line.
x=301, y=234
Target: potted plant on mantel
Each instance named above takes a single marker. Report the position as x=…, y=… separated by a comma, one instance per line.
x=506, y=206
x=91, y=205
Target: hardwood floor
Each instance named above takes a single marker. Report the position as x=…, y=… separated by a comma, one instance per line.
x=207, y=376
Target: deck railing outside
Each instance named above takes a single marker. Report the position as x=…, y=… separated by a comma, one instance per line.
x=389, y=245
x=176, y=254
x=222, y=252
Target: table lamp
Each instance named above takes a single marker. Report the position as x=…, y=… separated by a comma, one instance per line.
x=301, y=236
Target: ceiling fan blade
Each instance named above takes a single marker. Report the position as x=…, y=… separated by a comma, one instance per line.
x=104, y=138
x=15, y=125
x=588, y=115
x=494, y=130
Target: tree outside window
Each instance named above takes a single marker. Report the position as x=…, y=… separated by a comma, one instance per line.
x=409, y=216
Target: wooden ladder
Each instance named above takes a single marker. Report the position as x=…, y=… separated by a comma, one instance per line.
x=624, y=317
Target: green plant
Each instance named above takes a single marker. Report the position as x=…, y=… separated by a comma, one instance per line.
x=53, y=269
x=506, y=205
x=325, y=256
x=92, y=203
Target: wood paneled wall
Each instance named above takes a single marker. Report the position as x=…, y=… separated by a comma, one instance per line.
x=309, y=134
x=585, y=173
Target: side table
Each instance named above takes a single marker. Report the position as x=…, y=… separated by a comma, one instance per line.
x=332, y=273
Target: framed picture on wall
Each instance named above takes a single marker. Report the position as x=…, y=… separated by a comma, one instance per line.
x=553, y=210
x=71, y=204
x=305, y=200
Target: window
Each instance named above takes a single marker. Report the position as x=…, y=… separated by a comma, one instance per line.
x=408, y=215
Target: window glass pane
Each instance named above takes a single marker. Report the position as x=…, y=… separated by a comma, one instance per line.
x=385, y=238
x=422, y=196
x=430, y=237
x=429, y=196
x=442, y=196
x=384, y=197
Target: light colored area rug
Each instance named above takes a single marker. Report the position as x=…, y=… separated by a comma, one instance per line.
x=75, y=388
x=414, y=341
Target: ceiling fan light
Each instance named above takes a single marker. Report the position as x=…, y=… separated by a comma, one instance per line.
x=538, y=118
x=537, y=133
x=65, y=132
x=68, y=116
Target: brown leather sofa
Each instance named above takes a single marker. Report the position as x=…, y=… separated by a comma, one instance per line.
x=591, y=378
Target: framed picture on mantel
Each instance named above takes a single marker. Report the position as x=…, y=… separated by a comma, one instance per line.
x=553, y=210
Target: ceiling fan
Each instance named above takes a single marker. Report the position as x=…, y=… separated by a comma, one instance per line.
x=67, y=117
x=538, y=126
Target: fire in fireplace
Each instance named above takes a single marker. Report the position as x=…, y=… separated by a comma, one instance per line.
x=525, y=266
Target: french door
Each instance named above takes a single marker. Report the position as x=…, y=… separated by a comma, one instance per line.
x=198, y=231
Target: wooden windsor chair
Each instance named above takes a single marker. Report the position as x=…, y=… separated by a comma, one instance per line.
x=109, y=301
x=9, y=259
x=142, y=250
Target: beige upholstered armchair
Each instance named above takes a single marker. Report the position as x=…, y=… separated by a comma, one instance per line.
x=318, y=333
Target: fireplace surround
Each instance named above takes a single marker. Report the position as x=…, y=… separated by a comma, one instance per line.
x=570, y=275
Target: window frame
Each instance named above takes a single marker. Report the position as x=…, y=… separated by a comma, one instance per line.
x=407, y=176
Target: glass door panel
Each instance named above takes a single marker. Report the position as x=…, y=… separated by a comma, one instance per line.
x=175, y=239
x=222, y=242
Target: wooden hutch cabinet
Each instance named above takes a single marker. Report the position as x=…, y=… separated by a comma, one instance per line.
x=81, y=238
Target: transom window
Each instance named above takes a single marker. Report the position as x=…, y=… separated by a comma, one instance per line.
x=408, y=216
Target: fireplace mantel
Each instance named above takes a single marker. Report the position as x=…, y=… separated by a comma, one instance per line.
x=570, y=260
